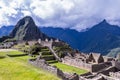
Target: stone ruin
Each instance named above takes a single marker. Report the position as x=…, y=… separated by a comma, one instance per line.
x=7, y=45
x=41, y=63
x=99, y=67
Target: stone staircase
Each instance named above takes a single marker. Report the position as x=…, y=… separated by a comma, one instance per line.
x=48, y=56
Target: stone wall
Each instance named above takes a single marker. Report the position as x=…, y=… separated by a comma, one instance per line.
x=101, y=66
x=106, y=71
x=115, y=75
x=82, y=64
x=44, y=43
x=41, y=63
x=77, y=63
x=108, y=77
x=117, y=64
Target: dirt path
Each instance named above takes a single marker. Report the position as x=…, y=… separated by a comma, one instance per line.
x=6, y=50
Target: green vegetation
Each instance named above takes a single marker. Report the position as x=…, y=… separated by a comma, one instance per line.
x=47, y=55
x=69, y=69
x=14, y=52
x=61, y=51
x=2, y=53
x=22, y=47
x=114, y=52
x=35, y=49
x=17, y=68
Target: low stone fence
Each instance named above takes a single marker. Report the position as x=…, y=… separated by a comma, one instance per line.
x=41, y=63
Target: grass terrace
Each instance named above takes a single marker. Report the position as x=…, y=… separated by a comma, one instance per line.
x=70, y=69
x=2, y=53
x=18, y=68
x=14, y=52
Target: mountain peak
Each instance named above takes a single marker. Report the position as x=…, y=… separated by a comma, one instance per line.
x=104, y=22
x=25, y=21
x=29, y=17
x=26, y=29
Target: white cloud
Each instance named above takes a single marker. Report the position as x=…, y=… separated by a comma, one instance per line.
x=75, y=14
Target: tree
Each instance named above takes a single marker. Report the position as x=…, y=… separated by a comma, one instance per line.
x=35, y=49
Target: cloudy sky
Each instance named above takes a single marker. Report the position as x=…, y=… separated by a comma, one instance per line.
x=75, y=14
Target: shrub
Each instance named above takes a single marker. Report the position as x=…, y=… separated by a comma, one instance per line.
x=26, y=43
x=35, y=49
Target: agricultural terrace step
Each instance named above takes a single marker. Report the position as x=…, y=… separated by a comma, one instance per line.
x=48, y=58
x=56, y=48
x=52, y=61
x=46, y=53
x=45, y=49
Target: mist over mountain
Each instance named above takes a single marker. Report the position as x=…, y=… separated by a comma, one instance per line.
x=101, y=38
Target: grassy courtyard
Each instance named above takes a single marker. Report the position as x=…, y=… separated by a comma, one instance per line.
x=17, y=68
x=70, y=69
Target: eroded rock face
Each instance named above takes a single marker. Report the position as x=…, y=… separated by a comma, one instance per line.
x=26, y=30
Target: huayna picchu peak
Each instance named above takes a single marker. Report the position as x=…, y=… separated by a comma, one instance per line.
x=26, y=29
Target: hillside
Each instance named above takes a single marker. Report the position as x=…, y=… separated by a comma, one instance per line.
x=100, y=38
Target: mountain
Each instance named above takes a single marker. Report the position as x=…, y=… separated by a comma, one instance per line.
x=68, y=35
x=26, y=29
x=5, y=30
x=101, y=38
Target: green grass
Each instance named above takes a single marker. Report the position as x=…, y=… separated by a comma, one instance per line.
x=2, y=53
x=14, y=52
x=23, y=58
x=18, y=68
x=70, y=69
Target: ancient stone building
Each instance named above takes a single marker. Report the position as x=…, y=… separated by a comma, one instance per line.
x=95, y=58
